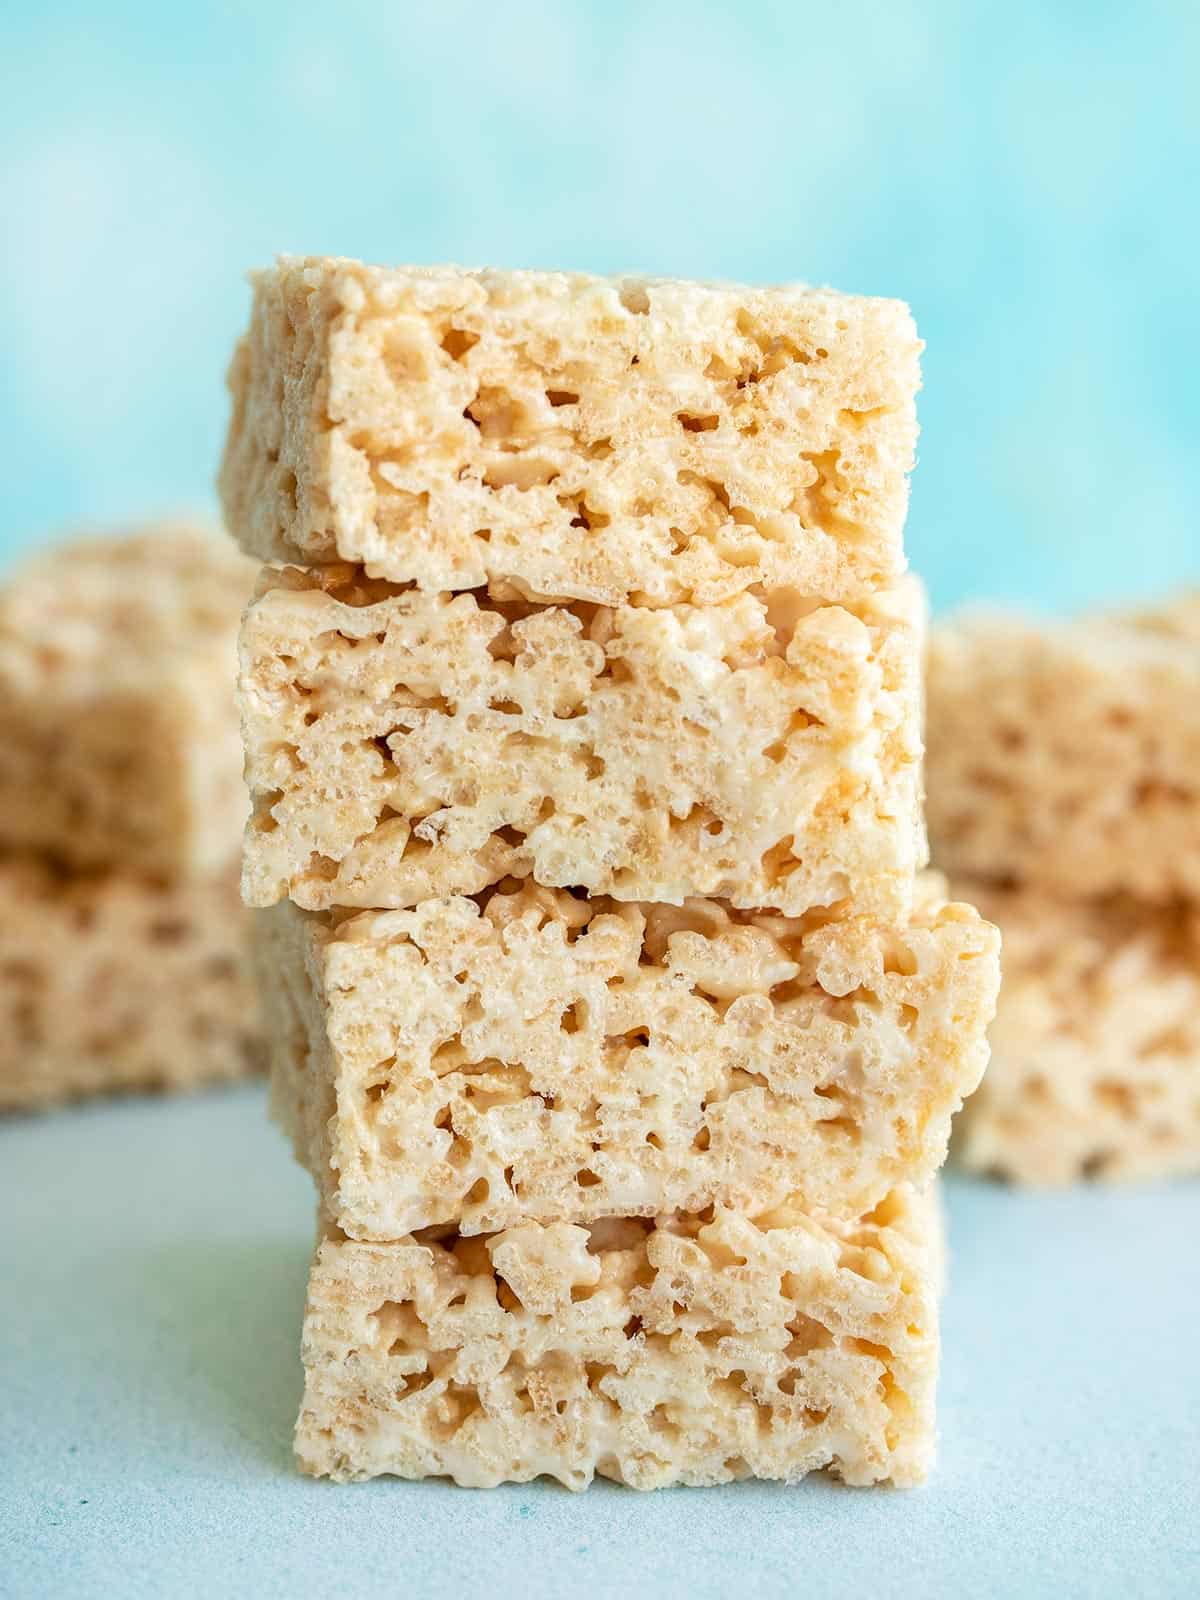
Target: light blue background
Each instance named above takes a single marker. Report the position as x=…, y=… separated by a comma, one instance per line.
x=1023, y=173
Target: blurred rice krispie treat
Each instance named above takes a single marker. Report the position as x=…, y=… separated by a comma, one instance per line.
x=118, y=736
x=557, y=436
x=123, y=960
x=402, y=744
x=534, y=1056
x=678, y=1349
x=1095, y=1067
x=117, y=981
x=1067, y=757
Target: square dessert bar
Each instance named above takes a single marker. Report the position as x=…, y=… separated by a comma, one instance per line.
x=402, y=744
x=534, y=1056
x=111, y=981
x=680, y=1349
x=1068, y=757
x=1096, y=1045
x=556, y=436
x=118, y=734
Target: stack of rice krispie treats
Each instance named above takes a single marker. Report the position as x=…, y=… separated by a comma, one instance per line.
x=123, y=960
x=1064, y=795
x=608, y=1007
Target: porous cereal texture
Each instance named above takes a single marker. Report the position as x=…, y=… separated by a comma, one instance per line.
x=556, y=436
x=1095, y=1068
x=403, y=744
x=112, y=981
x=1068, y=756
x=678, y=1350
x=534, y=1056
x=118, y=731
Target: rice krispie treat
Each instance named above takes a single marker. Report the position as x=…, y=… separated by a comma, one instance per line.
x=118, y=735
x=688, y=1350
x=111, y=981
x=1068, y=756
x=680, y=1349
x=402, y=744
x=537, y=1056
x=557, y=436
x=1096, y=1045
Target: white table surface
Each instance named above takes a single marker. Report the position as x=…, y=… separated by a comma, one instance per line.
x=152, y=1276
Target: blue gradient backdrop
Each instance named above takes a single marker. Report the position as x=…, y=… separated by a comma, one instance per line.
x=1024, y=174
